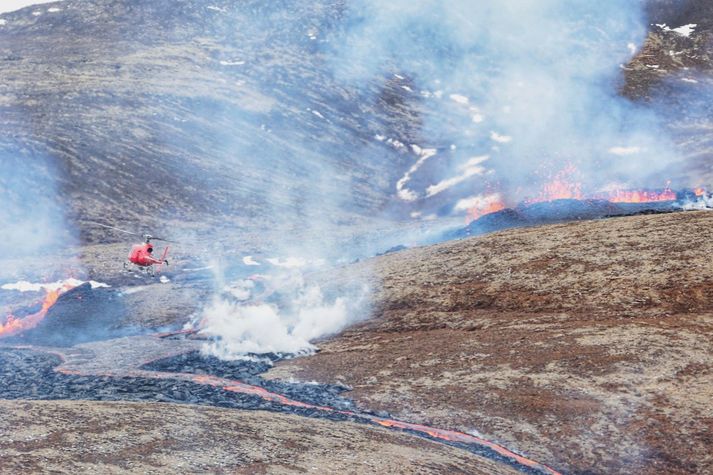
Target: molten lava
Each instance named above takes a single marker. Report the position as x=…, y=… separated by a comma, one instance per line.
x=563, y=186
x=639, y=196
x=14, y=325
x=566, y=185
x=478, y=211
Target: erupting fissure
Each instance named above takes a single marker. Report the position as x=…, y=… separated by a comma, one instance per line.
x=14, y=325
x=564, y=187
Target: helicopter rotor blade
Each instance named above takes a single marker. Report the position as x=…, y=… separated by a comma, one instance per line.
x=154, y=238
x=145, y=236
x=117, y=229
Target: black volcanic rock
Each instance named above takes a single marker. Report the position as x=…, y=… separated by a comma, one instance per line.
x=80, y=315
x=556, y=211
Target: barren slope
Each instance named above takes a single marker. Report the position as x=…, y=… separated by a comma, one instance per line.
x=585, y=345
x=92, y=437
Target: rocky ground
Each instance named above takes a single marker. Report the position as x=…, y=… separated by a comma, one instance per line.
x=585, y=345
x=84, y=437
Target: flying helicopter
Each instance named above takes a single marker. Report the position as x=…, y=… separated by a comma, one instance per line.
x=141, y=255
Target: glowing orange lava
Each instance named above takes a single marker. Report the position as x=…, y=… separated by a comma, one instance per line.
x=477, y=212
x=14, y=325
x=564, y=185
x=640, y=196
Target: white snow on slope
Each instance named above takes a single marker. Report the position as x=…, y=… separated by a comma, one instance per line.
x=470, y=168
x=623, y=151
x=13, y=5
x=24, y=286
x=685, y=30
x=249, y=261
x=459, y=98
x=496, y=137
x=402, y=191
x=232, y=63
x=217, y=9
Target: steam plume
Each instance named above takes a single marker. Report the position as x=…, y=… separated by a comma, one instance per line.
x=526, y=88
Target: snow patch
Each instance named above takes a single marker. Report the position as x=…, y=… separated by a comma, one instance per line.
x=25, y=286
x=496, y=137
x=685, y=30
x=6, y=7
x=232, y=63
x=460, y=99
x=624, y=151
x=470, y=168
x=404, y=193
x=691, y=80
x=249, y=261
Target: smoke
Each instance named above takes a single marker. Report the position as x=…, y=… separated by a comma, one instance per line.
x=32, y=221
x=512, y=92
x=283, y=315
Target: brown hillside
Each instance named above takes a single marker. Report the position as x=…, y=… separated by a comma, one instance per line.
x=585, y=345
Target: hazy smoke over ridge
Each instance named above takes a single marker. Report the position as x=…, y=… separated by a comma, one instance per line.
x=515, y=93
x=31, y=221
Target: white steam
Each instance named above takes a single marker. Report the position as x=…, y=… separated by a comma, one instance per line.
x=532, y=83
x=241, y=323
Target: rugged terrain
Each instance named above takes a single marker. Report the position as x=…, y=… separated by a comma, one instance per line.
x=585, y=345
x=85, y=437
x=161, y=115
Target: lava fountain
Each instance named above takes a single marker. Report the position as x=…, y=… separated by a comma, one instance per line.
x=14, y=325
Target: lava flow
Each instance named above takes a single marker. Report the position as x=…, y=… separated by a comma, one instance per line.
x=432, y=432
x=565, y=186
x=14, y=325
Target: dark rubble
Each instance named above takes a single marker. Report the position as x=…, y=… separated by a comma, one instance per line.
x=30, y=375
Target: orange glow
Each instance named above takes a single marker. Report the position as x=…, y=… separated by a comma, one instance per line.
x=478, y=211
x=563, y=186
x=639, y=196
x=14, y=325
x=700, y=191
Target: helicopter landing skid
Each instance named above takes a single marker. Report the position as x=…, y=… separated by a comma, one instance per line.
x=134, y=269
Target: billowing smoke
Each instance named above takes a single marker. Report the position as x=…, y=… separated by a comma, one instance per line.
x=32, y=222
x=515, y=94
x=278, y=313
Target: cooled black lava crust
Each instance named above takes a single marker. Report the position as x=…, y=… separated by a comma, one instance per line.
x=248, y=371
x=29, y=375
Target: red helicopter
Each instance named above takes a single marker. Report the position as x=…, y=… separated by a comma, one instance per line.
x=141, y=255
